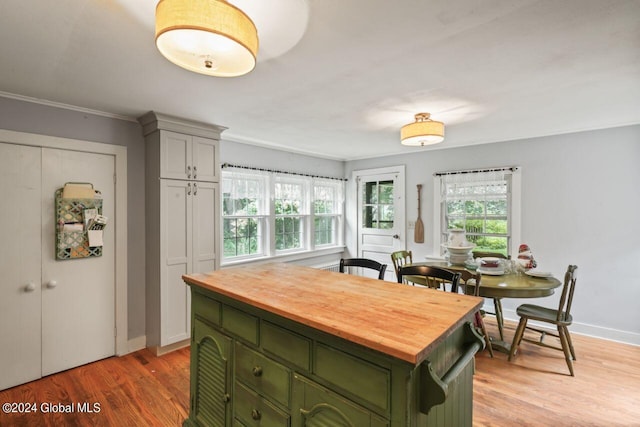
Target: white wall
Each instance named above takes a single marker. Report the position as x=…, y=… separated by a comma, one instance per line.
x=580, y=205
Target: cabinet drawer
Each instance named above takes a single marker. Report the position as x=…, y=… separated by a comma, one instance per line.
x=267, y=377
x=288, y=345
x=252, y=410
x=362, y=379
x=240, y=323
x=205, y=308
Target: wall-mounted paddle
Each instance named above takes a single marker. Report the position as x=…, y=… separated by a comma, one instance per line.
x=419, y=231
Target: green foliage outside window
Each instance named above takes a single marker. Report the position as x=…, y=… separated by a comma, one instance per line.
x=483, y=214
x=240, y=237
x=378, y=205
x=248, y=219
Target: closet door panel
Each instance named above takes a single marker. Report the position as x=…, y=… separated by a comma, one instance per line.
x=20, y=264
x=78, y=295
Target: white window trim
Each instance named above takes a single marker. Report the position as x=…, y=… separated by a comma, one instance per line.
x=516, y=213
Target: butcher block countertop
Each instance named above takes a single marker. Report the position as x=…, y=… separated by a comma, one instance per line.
x=402, y=321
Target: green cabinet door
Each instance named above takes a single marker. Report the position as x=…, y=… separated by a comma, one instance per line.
x=210, y=385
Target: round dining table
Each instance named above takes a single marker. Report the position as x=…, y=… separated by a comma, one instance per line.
x=496, y=287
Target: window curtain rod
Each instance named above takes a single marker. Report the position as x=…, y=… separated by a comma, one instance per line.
x=509, y=168
x=228, y=165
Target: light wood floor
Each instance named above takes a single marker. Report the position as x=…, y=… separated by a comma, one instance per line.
x=535, y=390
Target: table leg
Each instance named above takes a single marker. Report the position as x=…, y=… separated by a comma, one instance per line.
x=499, y=319
x=500, y=344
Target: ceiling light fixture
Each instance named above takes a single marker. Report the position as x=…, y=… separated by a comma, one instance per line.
x=211, y=37
x=423, y=131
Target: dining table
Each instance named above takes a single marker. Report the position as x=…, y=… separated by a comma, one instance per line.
x=514, y=284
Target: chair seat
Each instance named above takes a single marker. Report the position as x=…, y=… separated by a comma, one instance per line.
x=536, y=312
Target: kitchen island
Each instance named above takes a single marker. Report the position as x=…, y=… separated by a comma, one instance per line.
x=284, y=345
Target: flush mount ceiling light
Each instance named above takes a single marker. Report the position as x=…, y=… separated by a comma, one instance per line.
x=211, y=37
x=423, y=131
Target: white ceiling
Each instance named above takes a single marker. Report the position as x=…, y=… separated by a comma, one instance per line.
x=341, y=80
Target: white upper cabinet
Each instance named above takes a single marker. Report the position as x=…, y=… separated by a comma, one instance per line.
x=188, y=157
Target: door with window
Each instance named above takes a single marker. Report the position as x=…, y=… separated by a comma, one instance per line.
x=381, y=215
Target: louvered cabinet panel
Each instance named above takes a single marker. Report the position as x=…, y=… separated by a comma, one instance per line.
x=211, y=392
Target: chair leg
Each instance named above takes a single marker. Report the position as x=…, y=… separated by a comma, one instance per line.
x=480, y=323
x=517, y=337
x=573, y=352
x=497, y=304
x=565, y=348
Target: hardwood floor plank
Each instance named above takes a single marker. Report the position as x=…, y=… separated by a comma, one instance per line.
x=535, y=389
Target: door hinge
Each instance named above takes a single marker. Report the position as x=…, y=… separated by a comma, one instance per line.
x=114, y=178
x=115, y=331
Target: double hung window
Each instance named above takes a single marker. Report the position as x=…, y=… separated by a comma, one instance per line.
x=291, y=212
x=482, y=204
x=266, y=214
x=244, y=214
x=327, y=212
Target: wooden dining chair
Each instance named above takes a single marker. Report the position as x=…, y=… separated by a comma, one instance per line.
x=560, y=317
x=471, y=284
x=364, y=263
x=434, y=277
x=400, y=258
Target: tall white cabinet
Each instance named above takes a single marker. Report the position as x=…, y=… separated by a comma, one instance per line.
x=182, y=210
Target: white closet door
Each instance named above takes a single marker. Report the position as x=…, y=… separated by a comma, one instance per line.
x=78, y=295
x=20, y=286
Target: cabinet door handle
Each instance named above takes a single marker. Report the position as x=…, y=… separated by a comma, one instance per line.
x=188, y=189
x=255, y=414
x=52, y=284
x=30, y=287
x=195, y=172
x=226, y=398
x=257, y=371
x=195, y=188
x=188, y=171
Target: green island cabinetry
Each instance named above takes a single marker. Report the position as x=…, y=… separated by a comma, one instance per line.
x=283, y=345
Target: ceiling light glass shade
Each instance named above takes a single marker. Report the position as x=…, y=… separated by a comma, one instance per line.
x=209, y=37
x=423, y=131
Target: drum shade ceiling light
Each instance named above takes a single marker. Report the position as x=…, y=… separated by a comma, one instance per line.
x=423, y=131
x=211, y=37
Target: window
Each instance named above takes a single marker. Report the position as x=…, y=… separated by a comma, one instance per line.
x=377, y=206
x=291, y=213
x=304, y=214
x=327, y=211
x=243, y=212
x=482, y=204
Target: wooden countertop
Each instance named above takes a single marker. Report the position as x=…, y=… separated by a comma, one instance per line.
x=399, y=320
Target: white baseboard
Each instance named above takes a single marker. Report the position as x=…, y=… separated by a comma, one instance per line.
x=602, y=332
